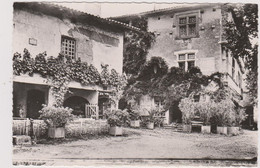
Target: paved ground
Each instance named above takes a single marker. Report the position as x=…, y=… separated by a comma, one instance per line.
x=142, y=143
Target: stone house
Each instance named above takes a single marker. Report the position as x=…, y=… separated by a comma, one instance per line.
x=188, y=36
x=40, y=27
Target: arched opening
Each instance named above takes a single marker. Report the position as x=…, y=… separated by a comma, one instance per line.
x=35, y=100
x=77, y=103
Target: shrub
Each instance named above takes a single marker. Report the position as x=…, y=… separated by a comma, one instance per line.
x=134, y=113
x=187, y=107
x=225, y=112
x=236, y=118
x=205, y=111
x=56, y=116
x=117, y=117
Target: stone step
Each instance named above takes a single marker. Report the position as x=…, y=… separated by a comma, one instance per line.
x=22, y=140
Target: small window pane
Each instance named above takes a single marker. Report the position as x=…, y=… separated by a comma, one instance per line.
x=182, y=57
x=182, y=65
x=191, y=64
x=183, y=31
x=182, y=20
x=192, y=29
x=191, y=56
x=192, y=19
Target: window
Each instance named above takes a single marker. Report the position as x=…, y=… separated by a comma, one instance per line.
x=187, y=26
x=68, y=46
x=186, y=61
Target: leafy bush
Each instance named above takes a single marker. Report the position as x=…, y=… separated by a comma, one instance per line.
x=237, y=117
x=187, y=107
x=225, y=111
x=56, y=116
x=117, y=117
x=205, y=111
x=155, y=116
x=134, y=113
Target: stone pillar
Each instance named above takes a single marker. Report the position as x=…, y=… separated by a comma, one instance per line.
x=51, y=98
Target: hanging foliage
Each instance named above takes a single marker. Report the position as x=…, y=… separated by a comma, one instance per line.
x=62, y=69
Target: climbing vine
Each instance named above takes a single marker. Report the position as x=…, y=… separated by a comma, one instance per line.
x=62, y=69
x=170, y=85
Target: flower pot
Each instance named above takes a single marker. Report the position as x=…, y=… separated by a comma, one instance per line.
x=233, y=130
x=186, y=128
x=150, y=125
x=116, y=131
x=206, y=129
x=58, y=132
x=222, y=130
x=135, y=123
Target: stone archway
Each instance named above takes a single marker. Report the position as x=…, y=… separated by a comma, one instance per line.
x=77, y=103
x=35, y=100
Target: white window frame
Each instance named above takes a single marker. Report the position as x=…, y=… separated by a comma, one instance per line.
x=186, y=60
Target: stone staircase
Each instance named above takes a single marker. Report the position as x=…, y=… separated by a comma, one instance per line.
x=174, y=127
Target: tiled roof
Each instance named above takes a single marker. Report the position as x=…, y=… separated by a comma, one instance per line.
x=62, y=11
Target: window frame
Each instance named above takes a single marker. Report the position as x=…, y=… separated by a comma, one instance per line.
x=187, y=16
x=186, y=60
x=75, y=46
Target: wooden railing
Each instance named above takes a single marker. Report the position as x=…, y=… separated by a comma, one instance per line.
x=91, y=111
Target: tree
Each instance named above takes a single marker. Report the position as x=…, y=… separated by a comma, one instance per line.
x=241, y=34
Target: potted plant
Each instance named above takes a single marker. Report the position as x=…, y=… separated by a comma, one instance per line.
x=205, y=110
x=134, y=118
x=187, y=107
x=116, y=118
x=56, y=119
x=150, y=119
x=224, y=109
x=235, y=120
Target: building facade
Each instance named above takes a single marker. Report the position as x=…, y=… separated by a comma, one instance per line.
x=45, y=27
x=188, y=36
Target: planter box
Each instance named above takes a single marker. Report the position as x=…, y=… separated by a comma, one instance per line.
x=233, y=130
x=56, y=132
x=150, y=125
x=116, y=131
x=135, y=123
x=186, y=128
x=222, y=130
x=206, y=129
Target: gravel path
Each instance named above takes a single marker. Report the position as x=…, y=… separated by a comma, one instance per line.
x=143, y=143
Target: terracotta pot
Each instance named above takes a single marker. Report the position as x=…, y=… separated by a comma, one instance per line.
x=150, y=125
x=206, y=129
x=186, y=128
x=116, y=131
x=222, y=130
x=233, y=130
x=135, y=123
x=58, y=132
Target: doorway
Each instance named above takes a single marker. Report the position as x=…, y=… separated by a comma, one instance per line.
x=35, y=100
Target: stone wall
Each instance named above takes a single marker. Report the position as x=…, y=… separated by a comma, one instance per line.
x=76, y=128
x=83, y=127
x=39, y=33
x=205, y=45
